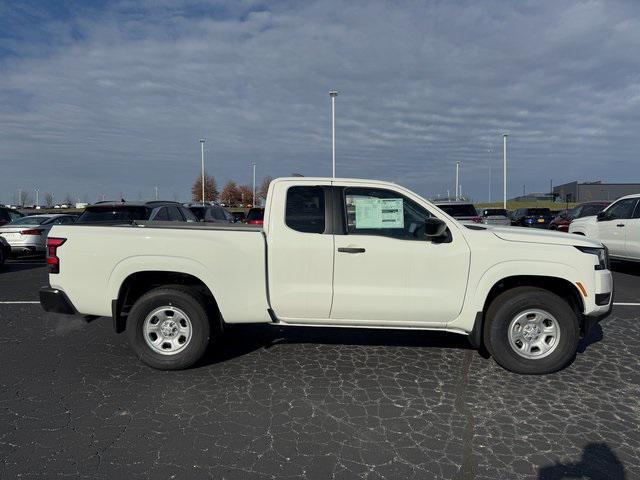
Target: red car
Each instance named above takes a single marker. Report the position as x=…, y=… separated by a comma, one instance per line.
x=562, y=221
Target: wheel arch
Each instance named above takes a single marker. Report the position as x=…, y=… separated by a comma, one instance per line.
x=554, y=284
x=557, y=285
x=136, y=284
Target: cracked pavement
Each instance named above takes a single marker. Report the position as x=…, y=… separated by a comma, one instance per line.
x=285, y=403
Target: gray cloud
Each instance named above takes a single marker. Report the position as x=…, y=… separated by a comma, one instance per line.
x=114, y=100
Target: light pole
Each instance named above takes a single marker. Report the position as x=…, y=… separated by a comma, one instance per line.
x=504, y=160
x=457, y=179
x=37, y=197
x=202, y=140
x=156, y=192
x=253, y=201
x=333, y=94
x=490, y=151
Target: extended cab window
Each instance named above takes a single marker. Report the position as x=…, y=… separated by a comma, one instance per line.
x=305, y=209
x=372, y=211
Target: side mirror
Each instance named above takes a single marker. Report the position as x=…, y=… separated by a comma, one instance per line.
x=602, y=216
x=434, y=227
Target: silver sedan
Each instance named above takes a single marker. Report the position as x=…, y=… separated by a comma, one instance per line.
x=28, y=235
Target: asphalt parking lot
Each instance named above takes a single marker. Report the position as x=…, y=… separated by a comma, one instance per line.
x=310, y=403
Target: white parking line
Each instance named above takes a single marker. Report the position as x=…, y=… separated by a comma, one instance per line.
x=627, y=304
x=19, y=302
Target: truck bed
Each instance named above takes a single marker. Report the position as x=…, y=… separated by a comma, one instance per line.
x=95, y=261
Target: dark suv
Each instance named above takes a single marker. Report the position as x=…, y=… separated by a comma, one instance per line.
x=8, y=215
x=126, y=212
x=210, y=213
x=531, y=217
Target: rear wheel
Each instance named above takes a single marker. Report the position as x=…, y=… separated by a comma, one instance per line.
x=532, y=331
x=168, y=328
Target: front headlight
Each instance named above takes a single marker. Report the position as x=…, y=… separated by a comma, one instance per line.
x=601, y=253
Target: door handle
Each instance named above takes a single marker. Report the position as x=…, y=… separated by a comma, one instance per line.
x=351, y=250
x=620, y=225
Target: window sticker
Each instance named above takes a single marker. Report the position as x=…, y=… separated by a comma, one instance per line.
x=374, y=212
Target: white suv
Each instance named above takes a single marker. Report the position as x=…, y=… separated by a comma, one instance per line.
x=617, y=226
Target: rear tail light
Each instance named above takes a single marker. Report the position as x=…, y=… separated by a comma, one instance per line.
x=477, y=219
x=255, y=222
x=52, y=249
x=31, y=231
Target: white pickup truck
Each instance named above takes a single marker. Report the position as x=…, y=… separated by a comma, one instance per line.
x=338, y=253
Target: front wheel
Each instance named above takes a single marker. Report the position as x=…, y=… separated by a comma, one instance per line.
x=168, y=328
x=532, y=331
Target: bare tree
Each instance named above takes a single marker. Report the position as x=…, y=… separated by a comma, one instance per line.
x=48, y=199
x=264, y=187
x=210, y=189
x=27, y=199
x=230, y=194
x=68, y=199
x=246, y=194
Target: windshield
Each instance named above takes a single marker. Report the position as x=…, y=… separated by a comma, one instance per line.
x=589, y=210
x=489, y=212
x=457, y=210
x=29, y=221
x=538, y=211
x=113, y=214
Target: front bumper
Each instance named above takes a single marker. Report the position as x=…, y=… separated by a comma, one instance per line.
x=603, y=301
x=56, y=301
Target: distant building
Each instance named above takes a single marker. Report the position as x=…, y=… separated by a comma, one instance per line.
x=592, y=191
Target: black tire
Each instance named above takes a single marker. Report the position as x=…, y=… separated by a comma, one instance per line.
x=2, y=257
x=507, y=306
x=192, y=304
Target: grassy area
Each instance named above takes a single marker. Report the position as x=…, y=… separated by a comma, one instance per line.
x=512, y=205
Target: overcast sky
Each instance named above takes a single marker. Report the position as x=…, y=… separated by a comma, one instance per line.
x=113, y=97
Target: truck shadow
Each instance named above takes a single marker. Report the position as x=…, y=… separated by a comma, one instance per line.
x=629, y=268
x=239, y=340
x=598, y=462
x=595, y=335
x=10, y=267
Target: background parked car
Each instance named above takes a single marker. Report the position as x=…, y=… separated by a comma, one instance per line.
x=8, y=215
x=461, y=211
x=562, y=221
x=255, y=216
x=494, y=216
x=109, y=213
x=531, y=217
x=28, y=235
x=617, y=227
x=5, y=251
x=210, y=213
x=238, y=216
